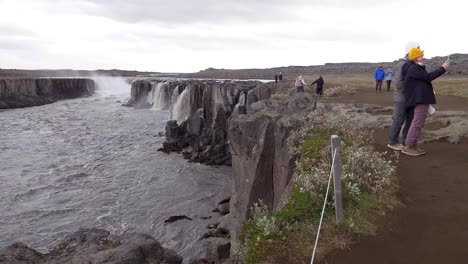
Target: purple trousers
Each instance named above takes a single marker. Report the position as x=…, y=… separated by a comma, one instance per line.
x=420, y=114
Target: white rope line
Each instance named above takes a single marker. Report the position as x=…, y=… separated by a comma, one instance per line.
x=323, y=209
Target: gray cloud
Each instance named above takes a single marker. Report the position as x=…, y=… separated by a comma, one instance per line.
x=212, y=11
x=331, y=35
x=14, y=31
x=20, y=45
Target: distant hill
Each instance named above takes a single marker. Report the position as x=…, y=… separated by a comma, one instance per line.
x=16, y=73
x=458, y=65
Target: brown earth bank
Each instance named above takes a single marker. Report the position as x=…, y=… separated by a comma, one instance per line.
x=369, y=96
x=432, y=224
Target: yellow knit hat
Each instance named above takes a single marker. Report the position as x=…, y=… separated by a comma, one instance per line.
x=415, y=53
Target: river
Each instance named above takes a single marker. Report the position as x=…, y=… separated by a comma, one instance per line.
x=91, y=162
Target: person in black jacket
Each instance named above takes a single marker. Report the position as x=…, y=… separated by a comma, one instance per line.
x=419, y=93
x=319, y=85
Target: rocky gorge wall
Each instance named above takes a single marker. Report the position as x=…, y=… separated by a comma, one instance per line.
x=17, y=93
x=201, y=110
x=234, y=123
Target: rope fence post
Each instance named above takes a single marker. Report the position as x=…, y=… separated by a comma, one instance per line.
x=335, y=145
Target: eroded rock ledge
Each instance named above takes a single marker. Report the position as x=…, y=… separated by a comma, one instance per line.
x=201, y=111
x=95, y=246
x=17, y=93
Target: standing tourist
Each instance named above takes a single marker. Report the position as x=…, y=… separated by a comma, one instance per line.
x=419, y=94
x=299, y=84
x=319, y=85
x=401, y=114
x=388, y=77
x=379, y=76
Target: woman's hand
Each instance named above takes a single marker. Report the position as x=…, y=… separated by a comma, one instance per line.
x=446, y=65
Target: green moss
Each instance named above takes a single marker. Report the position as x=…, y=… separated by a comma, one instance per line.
x=256, y=242
x=300, y=206
x=313, y=145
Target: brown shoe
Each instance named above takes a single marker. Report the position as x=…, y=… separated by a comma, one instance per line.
x=412, y=151
x=420, y=150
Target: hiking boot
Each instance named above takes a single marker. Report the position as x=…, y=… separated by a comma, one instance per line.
x=412, y=151
x=419, y=149
x=397, y=146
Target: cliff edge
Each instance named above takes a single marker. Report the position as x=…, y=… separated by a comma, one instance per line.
x=18, y=93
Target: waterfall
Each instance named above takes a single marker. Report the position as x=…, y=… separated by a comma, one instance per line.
x=241, y=100
x=182, y=107
x=157, y=97
x=240, y=107
x=175, y=95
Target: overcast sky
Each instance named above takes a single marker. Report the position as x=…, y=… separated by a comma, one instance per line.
x=191, y=35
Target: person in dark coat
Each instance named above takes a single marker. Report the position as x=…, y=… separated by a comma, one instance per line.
x=276, y=78
x=280, y=76
x=419, y=93
x=401, y=114
x=319, y=85
x=379, y=75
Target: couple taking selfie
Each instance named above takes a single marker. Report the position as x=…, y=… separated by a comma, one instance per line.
x=413, y=99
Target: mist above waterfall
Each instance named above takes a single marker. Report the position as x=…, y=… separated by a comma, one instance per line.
x=112, y=86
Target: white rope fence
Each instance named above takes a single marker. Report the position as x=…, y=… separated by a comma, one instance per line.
x=323, y=209
x=336, y=172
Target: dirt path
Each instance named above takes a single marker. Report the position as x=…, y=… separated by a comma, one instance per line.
x=432, y=226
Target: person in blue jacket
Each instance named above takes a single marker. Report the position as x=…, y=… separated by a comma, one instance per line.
x=379, y=76
x=388, y=78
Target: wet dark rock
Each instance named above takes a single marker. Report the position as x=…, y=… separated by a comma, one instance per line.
x=212, y=226
x=201, y=261
x=226, y=223
x=215, y=233
x=225, y=200
x=203, y=136
x=218, y=251
x=176, y=218
x=95, y=246
x=19, y=253
x=224, y=208
x=17, y=93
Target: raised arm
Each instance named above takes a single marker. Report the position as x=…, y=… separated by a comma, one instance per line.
x=419, y=73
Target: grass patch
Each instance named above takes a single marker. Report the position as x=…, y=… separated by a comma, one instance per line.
x=312, y=146
x=280, y=96
x=454, y=86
